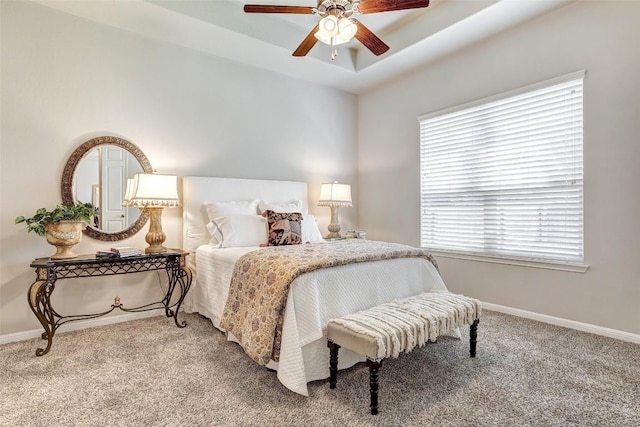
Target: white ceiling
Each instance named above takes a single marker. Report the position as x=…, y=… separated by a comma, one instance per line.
x=220, y=27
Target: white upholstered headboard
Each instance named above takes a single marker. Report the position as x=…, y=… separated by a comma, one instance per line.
x=197, y=189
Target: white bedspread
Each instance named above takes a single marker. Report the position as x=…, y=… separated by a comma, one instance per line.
x=314, y=298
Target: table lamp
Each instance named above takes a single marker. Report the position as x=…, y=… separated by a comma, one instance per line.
x=153, y=192
x=334, y=195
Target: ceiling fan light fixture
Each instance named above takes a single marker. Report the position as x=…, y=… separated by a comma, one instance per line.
x=329, y=25
x=323, y=37
x=346, y=29
x=335, y=31
x=331, y=41
x=337, y=26
x=338, y=40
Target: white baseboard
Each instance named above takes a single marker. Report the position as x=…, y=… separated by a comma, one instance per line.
x=572, y=324
x=81, y=324
x=558, y=321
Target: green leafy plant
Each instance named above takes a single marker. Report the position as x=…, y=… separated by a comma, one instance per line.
x=78, y=212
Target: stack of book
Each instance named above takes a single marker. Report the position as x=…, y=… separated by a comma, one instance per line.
x=356, y=234
x=119, y=252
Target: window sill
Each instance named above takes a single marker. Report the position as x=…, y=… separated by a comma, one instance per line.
x=574, y=267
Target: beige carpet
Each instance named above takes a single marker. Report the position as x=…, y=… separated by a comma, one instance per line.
x=150, y=373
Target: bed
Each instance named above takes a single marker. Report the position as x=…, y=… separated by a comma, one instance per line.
x=313, y=298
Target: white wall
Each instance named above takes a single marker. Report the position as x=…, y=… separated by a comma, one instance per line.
x=601, y=37
x=65, y=80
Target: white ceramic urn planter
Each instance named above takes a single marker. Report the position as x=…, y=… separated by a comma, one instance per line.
x=64, y=235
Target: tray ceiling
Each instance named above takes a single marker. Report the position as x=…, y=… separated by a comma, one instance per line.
x=221, y=28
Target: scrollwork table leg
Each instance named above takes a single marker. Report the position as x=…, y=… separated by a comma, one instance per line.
x=180, y=276
x=39, y=299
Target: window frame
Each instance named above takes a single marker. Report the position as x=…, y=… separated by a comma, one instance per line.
x=529, y=261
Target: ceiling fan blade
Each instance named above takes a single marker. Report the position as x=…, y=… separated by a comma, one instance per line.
x=307, y=43
x=373, y=6
x=370, y=40
x=265, y=8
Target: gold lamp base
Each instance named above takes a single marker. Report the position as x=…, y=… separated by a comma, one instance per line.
x=155, y=237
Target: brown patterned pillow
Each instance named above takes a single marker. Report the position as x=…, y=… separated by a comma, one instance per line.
x=284, y=228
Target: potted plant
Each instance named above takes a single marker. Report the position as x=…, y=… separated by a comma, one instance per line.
x=61, y=226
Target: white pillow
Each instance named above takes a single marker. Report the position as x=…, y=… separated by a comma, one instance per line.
x=310, y=231
x=218, y=209
x=281, y=207
x=238, y=230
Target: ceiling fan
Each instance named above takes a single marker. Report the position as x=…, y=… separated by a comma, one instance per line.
x=337, y=25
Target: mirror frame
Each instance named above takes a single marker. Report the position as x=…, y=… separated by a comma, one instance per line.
x=67, y=183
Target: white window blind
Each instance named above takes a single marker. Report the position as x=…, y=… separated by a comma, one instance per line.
x=503, y=177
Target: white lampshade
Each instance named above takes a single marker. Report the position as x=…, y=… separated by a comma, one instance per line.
x=346, y=29
x=329, y=25
x=154, y=190
x=335, y=194
x=323, y=37
x=128, y=193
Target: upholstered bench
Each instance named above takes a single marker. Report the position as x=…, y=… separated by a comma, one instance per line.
x=389, y=329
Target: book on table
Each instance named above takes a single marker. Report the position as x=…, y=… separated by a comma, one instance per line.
x=107, y=254
x=127, y=250
x=356, y=234
x=119, y=252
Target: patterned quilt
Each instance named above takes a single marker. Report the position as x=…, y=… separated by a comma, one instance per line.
x=254, y=311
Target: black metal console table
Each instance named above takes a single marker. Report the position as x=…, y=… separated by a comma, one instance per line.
x=48, y=271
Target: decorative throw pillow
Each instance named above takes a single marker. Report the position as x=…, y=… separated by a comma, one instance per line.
x=284, y=228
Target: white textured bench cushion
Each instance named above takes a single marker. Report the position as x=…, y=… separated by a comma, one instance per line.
x=388, y=329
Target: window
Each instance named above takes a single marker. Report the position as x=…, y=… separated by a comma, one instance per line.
x=502, y=177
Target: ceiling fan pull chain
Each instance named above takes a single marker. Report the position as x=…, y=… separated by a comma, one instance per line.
x=334, y=49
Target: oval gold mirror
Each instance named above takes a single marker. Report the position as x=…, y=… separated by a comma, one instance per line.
x=97, y=172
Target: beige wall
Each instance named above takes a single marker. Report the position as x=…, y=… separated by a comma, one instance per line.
x=601, y=37
x=65, y=80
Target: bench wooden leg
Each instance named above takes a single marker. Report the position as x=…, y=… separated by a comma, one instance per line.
x=473, y=337
x=373, y=384
x=333, y=363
